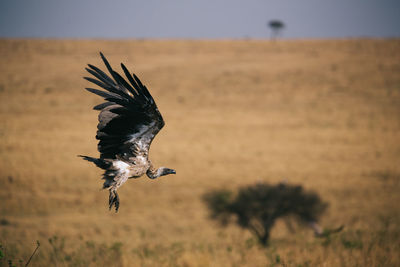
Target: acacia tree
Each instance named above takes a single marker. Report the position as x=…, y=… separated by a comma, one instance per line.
x=276, y=27
x=257, y=207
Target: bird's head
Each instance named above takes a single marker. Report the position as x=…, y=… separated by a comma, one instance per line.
x=160, y=172
x=166, y=171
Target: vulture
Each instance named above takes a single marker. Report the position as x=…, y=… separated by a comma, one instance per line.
x=128, y=122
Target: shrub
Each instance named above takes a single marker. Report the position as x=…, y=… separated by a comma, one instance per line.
x=257, y=207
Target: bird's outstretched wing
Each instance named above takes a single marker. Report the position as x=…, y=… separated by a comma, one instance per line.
x=129, y=119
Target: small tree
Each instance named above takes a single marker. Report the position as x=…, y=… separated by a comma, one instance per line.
x=276, y=27
x=257, y=207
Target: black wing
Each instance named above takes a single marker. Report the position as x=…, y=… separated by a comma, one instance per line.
x=129, y=119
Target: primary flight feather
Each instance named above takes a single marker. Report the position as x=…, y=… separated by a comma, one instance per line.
x=128, y=122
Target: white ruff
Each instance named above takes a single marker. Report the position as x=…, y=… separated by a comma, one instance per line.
x=140, y=160
x=121, y=166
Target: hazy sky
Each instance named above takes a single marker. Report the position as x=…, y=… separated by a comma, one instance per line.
x=198, y=18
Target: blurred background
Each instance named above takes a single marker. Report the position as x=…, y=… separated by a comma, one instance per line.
x=304, y=94
x=198, y=19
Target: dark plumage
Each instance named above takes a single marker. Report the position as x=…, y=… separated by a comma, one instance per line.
x=128, y=122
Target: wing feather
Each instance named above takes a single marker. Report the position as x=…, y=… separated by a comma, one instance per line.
x=102, y=93
x=103, y=105
x=125, y=84
x=129, y=119
x=102, y=74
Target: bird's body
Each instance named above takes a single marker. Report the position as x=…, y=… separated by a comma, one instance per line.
x=128, y=123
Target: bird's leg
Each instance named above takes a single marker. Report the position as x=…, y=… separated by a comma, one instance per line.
x=113, y=199
x=116, y=201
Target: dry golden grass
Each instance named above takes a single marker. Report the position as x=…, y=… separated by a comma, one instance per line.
x=323, y=114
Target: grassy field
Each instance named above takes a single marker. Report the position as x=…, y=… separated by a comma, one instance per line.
x=324, y=114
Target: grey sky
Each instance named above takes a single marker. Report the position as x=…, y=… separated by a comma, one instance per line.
x=198, y=19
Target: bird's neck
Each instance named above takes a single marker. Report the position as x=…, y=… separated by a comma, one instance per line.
x=154, y=173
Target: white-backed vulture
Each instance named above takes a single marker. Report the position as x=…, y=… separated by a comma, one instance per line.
x=128, y=122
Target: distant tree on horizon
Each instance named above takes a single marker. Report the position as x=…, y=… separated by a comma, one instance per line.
x=276, y=27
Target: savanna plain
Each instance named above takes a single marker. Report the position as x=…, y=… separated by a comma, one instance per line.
x=323, y=114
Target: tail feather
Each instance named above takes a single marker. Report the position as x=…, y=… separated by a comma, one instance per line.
x=111, y=181
x=101, y=163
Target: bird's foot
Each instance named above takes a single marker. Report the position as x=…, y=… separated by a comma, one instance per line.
x=113, y=200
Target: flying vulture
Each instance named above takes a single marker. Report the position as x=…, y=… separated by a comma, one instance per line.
x=128, y=122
